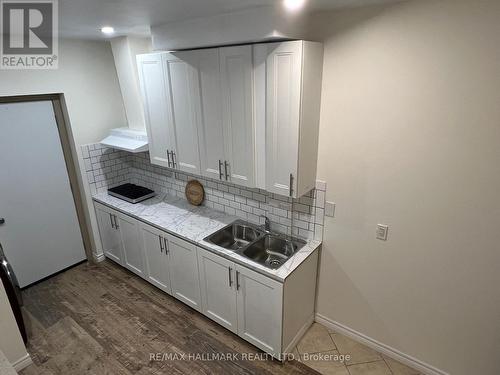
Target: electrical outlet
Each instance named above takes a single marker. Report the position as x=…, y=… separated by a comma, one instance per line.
x=382, y=230
x=330, y=209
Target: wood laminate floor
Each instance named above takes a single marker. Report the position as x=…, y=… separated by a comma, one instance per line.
x=102, y=319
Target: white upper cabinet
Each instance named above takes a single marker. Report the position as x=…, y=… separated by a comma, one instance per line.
x=236, y=66
x=293, y=92
x=181, y=80
x=246, y=114
x=154, y=98
x=211, y=133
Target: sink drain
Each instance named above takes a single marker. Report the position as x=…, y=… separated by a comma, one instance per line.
x=274, y=262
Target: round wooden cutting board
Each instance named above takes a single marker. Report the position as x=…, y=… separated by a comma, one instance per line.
x=195, y=193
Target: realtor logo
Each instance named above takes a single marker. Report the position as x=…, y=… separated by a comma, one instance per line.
x=28, y=34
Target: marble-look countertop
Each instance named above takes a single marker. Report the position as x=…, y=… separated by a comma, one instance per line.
x=179, y=218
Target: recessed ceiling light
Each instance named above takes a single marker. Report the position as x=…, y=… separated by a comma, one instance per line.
x=107, y=30
x=293, y=5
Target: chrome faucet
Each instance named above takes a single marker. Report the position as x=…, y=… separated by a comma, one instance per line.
x=267, y=224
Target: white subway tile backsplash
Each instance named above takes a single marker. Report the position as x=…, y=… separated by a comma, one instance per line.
x=107, y=167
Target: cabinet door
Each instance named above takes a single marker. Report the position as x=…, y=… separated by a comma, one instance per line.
x=259, y=302
x=218, y=290
x=184, y=277
x=237, y=113
x=283, y=77
x=154, y=246
x=133, y=256
x=211, y=133
x=183, y=103
x=154, y=96
x=110, y=237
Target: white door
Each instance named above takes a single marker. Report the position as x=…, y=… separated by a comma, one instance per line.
x=259, y=310
x=210, y=133
x=218, y=289
x=237, y=113
x=154, y=245
x=154, y=97
x=184, y=276
x=283, y=77
x=132, y=250
x=41, y=234
x=183, y=102
x=110, y=235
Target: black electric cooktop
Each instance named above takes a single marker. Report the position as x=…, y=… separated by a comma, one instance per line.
x=131, y=193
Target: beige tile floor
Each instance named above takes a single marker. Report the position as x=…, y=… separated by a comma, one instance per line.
x=321, y=349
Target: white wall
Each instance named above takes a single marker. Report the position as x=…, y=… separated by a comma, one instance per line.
x=87, y=78
x=125, y=49
x=11, y=342
x=410, y=137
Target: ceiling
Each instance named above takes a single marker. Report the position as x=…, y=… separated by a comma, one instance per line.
x=83, y=19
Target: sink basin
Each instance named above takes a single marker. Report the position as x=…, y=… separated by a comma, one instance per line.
x=272, y=251
x=235, y=236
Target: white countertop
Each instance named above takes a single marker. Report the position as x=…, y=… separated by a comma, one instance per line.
x=179, y=218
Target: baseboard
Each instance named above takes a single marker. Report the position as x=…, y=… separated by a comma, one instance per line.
x=98, y=257
x=380, y=347
x=22, y=363
x=299, y=334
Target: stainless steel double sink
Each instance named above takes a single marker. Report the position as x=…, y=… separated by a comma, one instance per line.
x=269, y=249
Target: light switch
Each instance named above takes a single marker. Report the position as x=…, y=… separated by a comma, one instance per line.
x=382, y=230
x=330, y=209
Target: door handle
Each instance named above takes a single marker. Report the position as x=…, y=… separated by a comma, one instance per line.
x=291, y=184
x=161, y=244
x=111, y=220
x=225, y=167
x=116, y=223
x=2, y=221
x=220, y=169
x=230, y=278
x=168, y=158
x=237, y=280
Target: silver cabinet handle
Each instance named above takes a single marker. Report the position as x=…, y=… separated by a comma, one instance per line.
x=220, y=169
x=111, y=220
x=116, y=223
x=161, y=244
x=225, y=167
x=174, y=157
x=237, y=280
x=230, y=277
x=291, y=184
x=165, y=246
x=168, y=158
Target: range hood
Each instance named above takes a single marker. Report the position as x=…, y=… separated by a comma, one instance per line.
x=127, y=139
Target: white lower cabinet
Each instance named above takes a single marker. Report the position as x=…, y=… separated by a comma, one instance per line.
x=157, y=265
x=218, y=289
x=242, y=300
x=110, y=235
x=133, y=255
x=269, y=314
x=184, y=277
x=259, y=304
